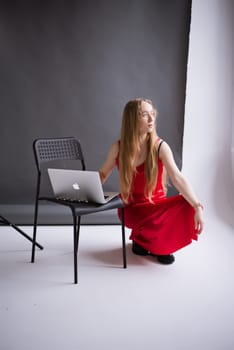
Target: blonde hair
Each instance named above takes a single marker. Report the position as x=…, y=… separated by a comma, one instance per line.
x=129, y=145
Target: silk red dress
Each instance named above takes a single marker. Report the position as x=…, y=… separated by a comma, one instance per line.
x=161, y=227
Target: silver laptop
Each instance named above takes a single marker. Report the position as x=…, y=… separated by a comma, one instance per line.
x=79, y=185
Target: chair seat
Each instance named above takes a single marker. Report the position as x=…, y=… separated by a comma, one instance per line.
x=81, y=208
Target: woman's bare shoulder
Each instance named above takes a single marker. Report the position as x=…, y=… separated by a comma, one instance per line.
x=162, y=147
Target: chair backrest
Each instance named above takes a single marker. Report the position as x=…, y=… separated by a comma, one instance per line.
x=58, y=153
x=54, y=149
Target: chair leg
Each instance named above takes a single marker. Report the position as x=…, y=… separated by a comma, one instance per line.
x=34, y=232
x=76, y=233
x=123, y=240
x=5, y=221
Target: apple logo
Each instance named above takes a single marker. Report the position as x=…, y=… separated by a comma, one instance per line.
x=76, y=186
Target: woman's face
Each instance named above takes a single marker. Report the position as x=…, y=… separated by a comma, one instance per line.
x=146, y=118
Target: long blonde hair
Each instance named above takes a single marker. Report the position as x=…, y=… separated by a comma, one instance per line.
x=129, y=145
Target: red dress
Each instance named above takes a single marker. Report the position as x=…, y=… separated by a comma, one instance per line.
x=161, y=227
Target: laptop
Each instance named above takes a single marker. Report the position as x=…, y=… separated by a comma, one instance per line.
x=79, y=185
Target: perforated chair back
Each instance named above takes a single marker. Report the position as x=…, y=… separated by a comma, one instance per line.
x=66, y=148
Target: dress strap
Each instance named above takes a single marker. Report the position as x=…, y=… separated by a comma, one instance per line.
x=159, y=146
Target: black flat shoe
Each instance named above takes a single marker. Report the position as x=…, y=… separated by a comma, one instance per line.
x=165, y=259
x=138, y=250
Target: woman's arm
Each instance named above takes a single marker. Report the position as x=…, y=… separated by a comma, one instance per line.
x=181, y=184
x=109, y=163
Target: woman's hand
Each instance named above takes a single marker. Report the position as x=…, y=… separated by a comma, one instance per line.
x=198, y=219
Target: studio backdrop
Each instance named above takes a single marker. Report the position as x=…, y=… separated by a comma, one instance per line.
x=68, y=68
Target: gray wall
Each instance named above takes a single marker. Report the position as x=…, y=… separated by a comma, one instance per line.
x=68, y=68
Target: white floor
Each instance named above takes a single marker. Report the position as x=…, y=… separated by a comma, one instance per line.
x=188, y=305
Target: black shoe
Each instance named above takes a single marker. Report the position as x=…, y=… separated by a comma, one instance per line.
x=138, y=250
x=166, y=259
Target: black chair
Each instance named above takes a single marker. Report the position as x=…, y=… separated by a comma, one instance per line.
x=6, y=222
x=67, y=152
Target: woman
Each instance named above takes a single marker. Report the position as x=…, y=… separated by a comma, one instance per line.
x=160, y=225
